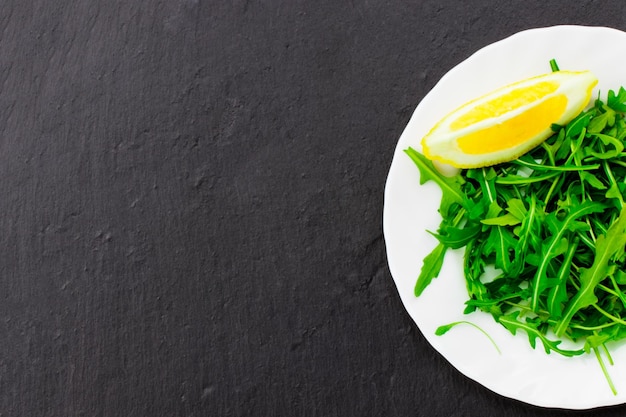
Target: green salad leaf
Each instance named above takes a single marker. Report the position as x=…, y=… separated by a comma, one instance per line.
x=552, y=224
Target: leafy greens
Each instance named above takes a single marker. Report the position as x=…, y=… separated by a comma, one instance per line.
x=553, y=224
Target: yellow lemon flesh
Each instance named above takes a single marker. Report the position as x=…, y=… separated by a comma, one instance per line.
x=510, y=121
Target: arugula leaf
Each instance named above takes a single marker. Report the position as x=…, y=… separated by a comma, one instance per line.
x=529, y=163
x=450, y=186
x=558, y=294
x=558, y=228
x=501, y=243
x=504, y=220
x=601, y=121
x=617, y=102
x=607, y=246
x=430, y=268
x=441, y=330
x=516, y=208
x=527, y=233
x=576, y=126
x=617, y=145
x=455, y=237
x=592, y=180
x=531, y=328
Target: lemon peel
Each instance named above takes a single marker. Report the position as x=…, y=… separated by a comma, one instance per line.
x=508, y=122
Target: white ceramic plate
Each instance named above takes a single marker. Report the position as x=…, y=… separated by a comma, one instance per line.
x=519, y=372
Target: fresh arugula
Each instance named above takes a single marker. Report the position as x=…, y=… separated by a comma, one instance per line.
x=553, y=225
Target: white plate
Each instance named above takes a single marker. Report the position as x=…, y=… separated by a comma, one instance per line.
x=519, y=372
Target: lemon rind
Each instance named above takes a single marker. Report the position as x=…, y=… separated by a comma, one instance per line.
x=457, y=158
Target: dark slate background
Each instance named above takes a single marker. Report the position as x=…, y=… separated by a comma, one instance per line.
x=192, y=196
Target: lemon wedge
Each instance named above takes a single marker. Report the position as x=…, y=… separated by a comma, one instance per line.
x=510, y=121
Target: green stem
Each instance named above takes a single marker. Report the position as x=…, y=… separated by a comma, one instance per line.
x=604, y=371
x=444, y=329
x=554, y=66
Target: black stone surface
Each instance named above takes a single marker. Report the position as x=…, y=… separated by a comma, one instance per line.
x=192, y=195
